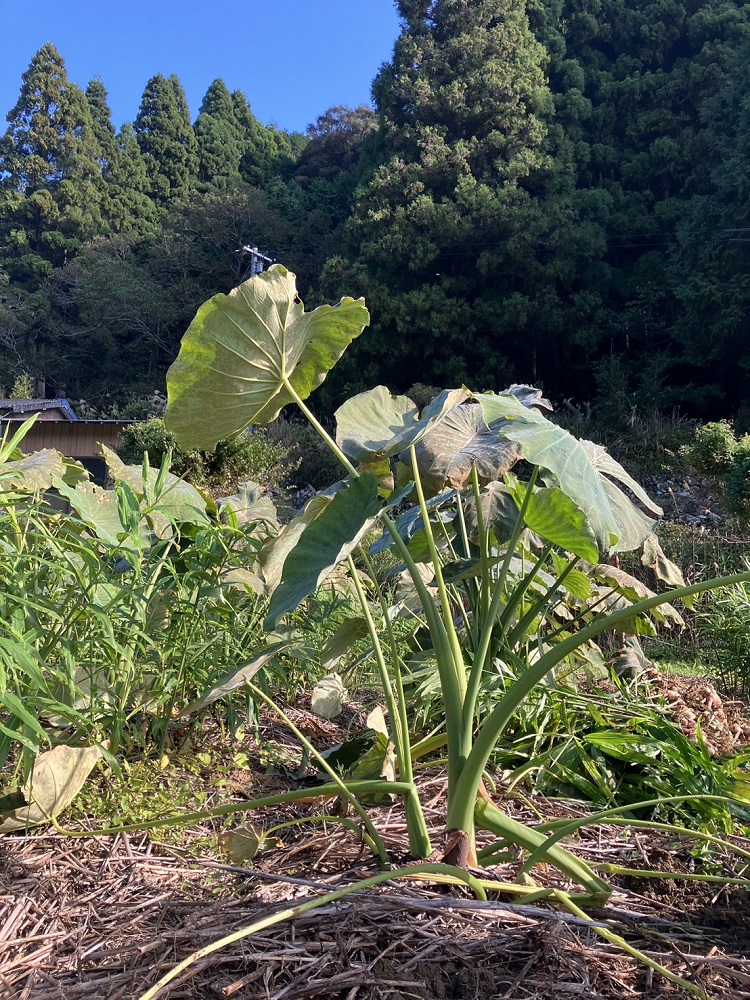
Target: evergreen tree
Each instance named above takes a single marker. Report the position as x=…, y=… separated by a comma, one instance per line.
x=219, y=138
x=710, y=261
x=101, y=120
x=167, y=140
x=266, y=152
x=129, y=207
x=448, y=230
x=632, y=84
x=51, y=161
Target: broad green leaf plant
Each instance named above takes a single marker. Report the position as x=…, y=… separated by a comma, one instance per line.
x=505, y=572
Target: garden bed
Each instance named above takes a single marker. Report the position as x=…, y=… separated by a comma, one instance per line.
x=106, y=917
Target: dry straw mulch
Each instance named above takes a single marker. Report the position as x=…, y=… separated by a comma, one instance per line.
x=107, y=917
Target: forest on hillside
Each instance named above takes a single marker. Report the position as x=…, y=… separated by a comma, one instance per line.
x=551, y=191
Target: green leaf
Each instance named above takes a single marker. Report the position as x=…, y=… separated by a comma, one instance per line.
x=576, y=583
x=177, y=503
x=98, y=509
x=35, y=472
x=375, y=423
x=57, y=777
x=245, y=351
x=235, y=679
x=346, y=636
x=324, y=543
x=554, y=516
x=275, y=550
x=582, y=470
x=250, y=505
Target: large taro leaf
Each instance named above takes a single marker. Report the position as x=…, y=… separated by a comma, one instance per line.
x=463, y=439
x=324, y=543
x=178, y=503
x=98, y=510
x=36, y=471
x=275, y=551
x=634, y=526
x=57, y=777
x=246, y=355
x=457, y=437
x=375, y=423
x=578, y=468
x=553, y=515
x=250, y=506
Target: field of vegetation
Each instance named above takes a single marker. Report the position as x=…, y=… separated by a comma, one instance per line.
x=464, y=717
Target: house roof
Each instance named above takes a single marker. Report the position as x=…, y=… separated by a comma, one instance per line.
x=11, y=406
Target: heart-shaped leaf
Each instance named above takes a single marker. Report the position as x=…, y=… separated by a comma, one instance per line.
x=249, y=353
x=462, y=439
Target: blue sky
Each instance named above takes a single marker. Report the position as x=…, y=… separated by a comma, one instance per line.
x=292, y=58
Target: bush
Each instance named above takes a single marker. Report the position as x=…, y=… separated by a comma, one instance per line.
x=313, y=463
x=714, y=449
x=251, y=455
x=737, y=481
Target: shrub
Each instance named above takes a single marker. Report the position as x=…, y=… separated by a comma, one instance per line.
x=313, y=462
x=714, y=448
x=737, y=481
x=250, y=455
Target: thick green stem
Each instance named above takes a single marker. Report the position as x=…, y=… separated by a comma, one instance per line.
x=322, y=432
x=419, y=838
x=437, y=568
x=484, y=547
x=461, y=807
x=481, y=656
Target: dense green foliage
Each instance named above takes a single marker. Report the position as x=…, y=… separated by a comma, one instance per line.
x=248, y=456
x=543, y=188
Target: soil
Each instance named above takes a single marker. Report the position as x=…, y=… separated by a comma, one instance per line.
x=103, y=918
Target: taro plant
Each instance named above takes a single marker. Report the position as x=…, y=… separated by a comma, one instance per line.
x=499, y=571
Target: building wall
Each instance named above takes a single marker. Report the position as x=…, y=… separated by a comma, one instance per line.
x=74, y=439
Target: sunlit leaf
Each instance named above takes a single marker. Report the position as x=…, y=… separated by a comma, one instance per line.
x=178, y=503
x=246, y=355
x=56, y=778
x=583, y=471
x=554, y=516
